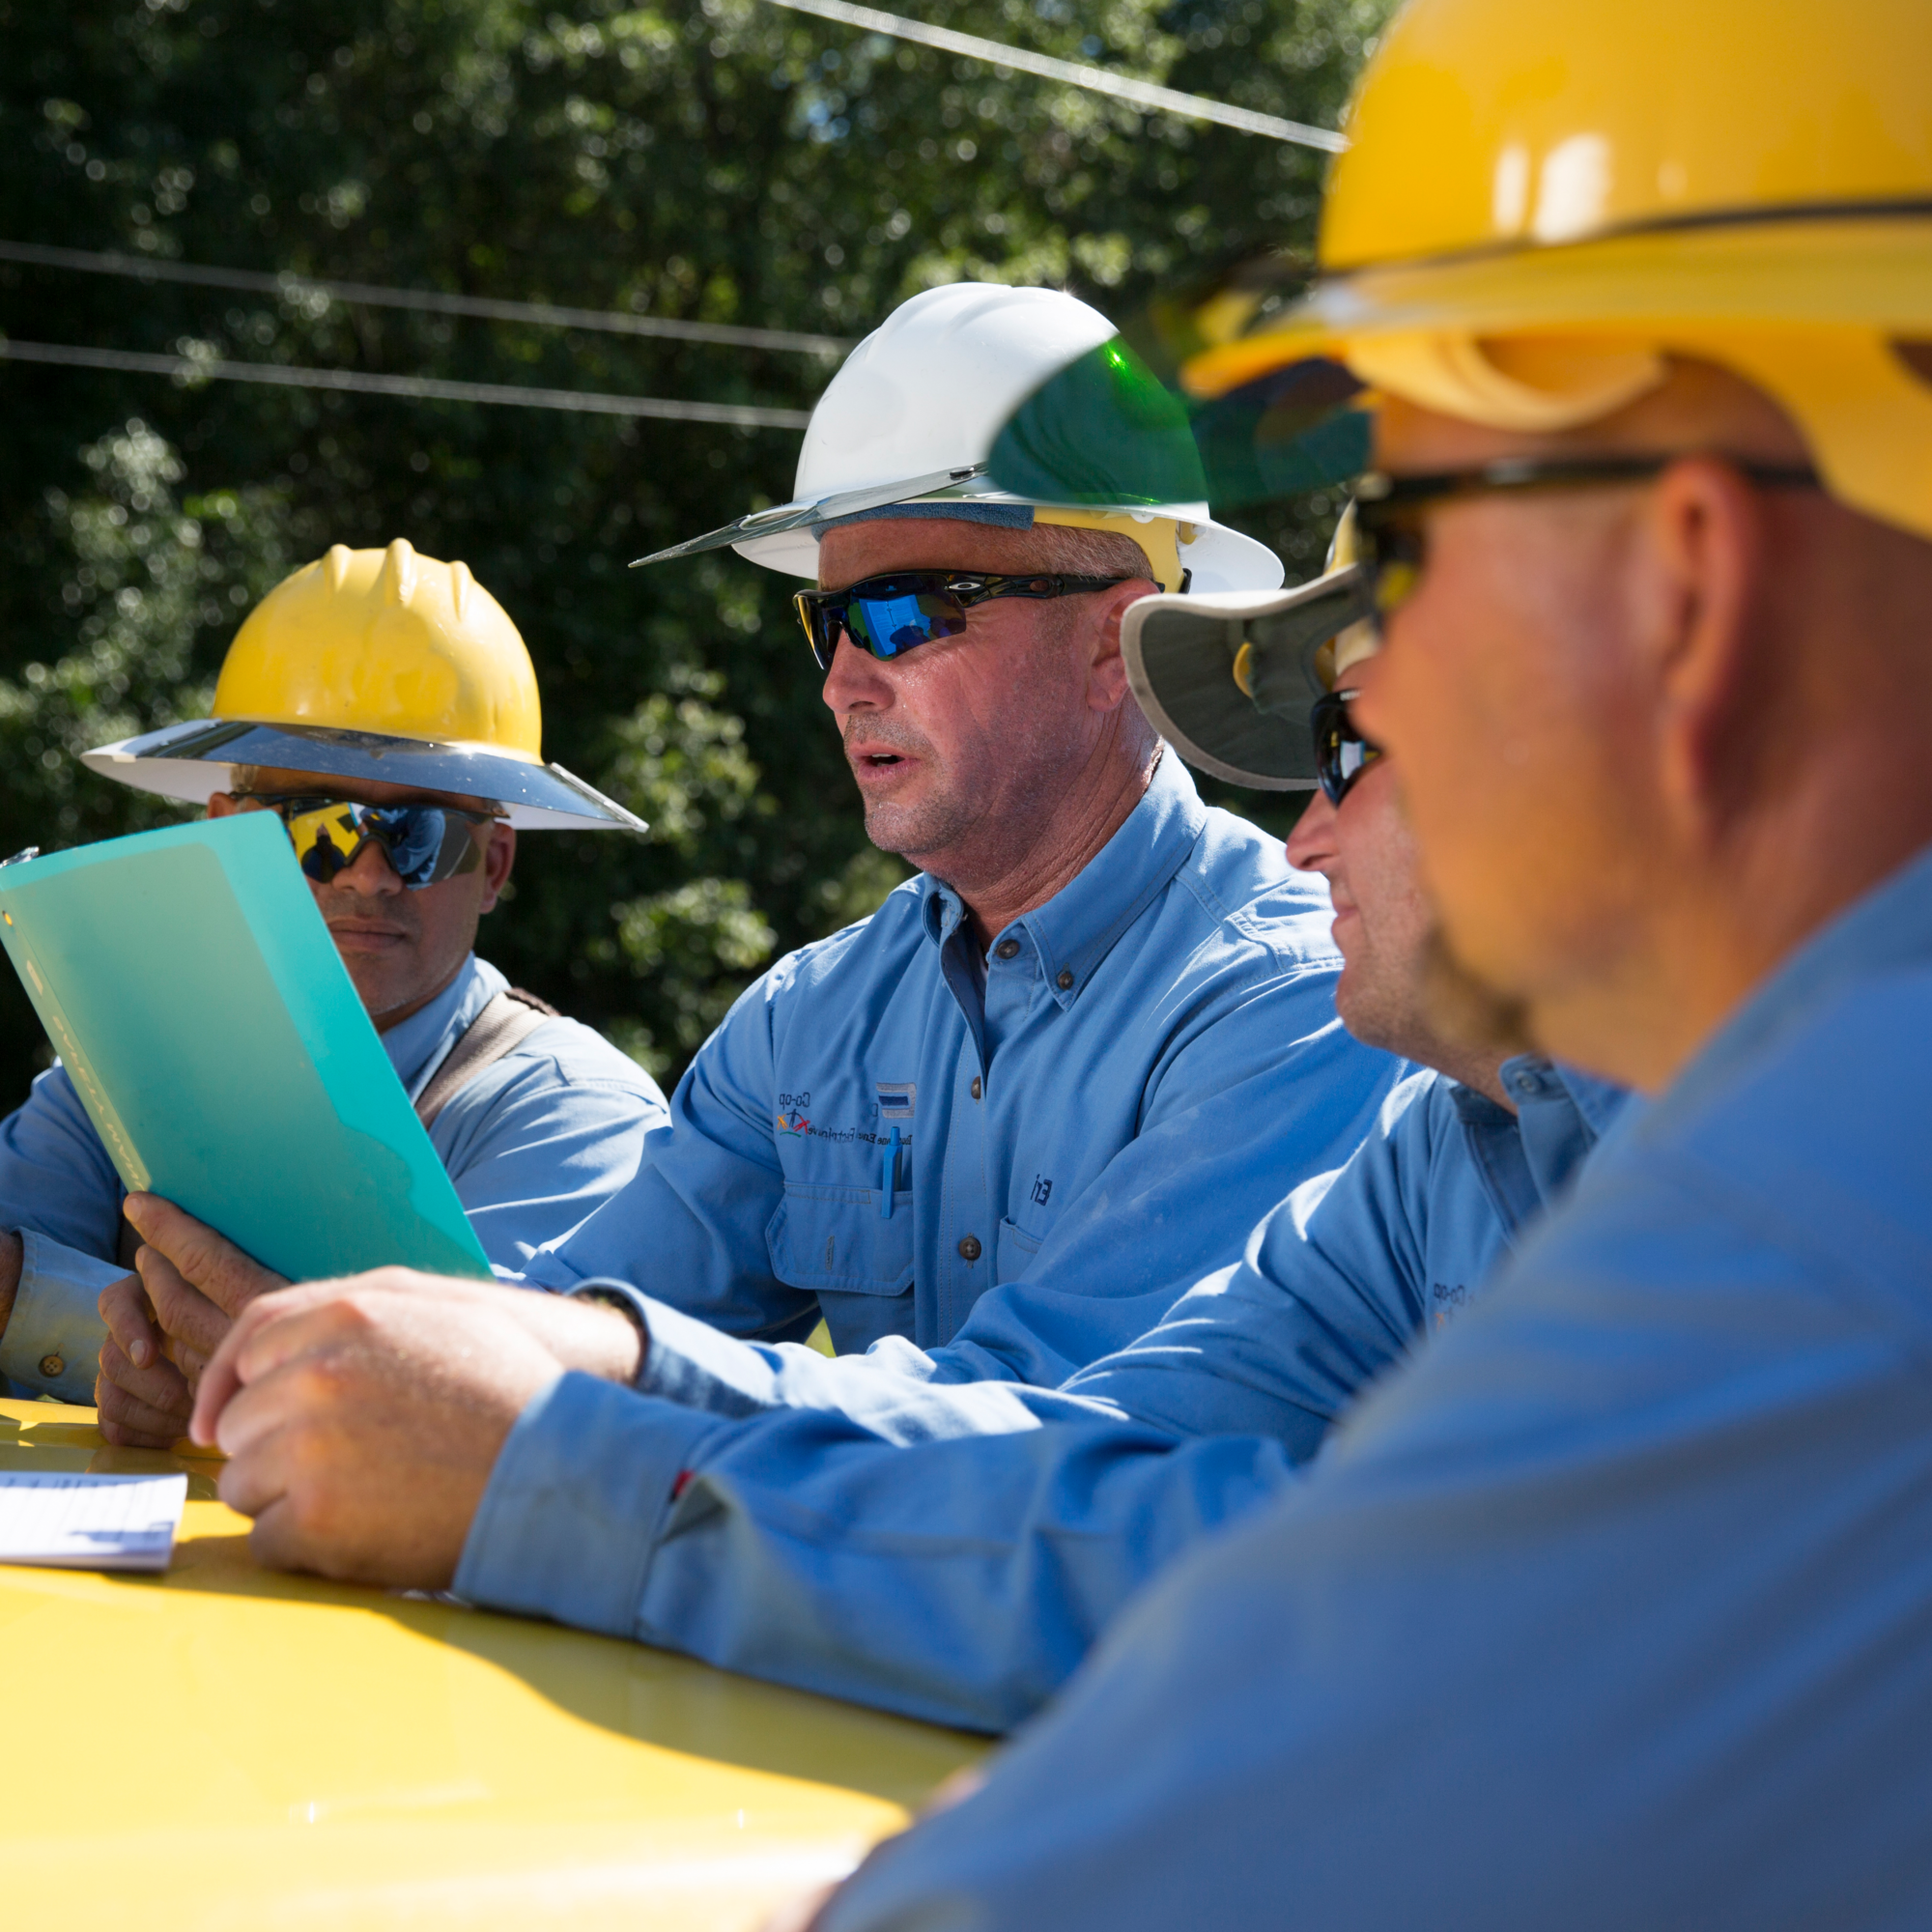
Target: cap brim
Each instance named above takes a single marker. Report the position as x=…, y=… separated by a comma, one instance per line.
x=1179, y=654
x=192, y=761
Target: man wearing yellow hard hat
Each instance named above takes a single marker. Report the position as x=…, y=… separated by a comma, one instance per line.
x=1614, y=1609
x=383, y=705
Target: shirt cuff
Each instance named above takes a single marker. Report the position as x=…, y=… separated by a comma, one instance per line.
x=52, y=1340
x=688, y=1361
x=576, y=1504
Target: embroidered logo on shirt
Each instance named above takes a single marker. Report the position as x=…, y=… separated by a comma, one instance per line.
x=895, y=1099
x=791, y=1112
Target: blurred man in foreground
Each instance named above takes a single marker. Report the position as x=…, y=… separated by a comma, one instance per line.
x=1615, y=1608
x=383, y=706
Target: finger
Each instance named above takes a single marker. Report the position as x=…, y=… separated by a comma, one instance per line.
x=256, y=1474
x=227, y=1276
x=277, y=1541
x=131, y=1423
x=159, y=1384
x=126, y=1309
x=184, y=1312
x=246, y=1355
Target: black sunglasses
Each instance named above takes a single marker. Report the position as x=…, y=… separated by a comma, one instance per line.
x=1342, y=755
x=423, y=843
x=1390, y=537
x=895, y=613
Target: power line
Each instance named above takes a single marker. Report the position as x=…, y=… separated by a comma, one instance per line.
x=1097, y=79
x=616, y=322
x=414, y=388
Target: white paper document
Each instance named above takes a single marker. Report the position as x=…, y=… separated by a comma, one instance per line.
x=89, y=1522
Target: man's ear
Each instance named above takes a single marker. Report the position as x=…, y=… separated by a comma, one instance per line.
x=1707, y=529
x=222, y=803
x=1107, y=688
x=498, y=856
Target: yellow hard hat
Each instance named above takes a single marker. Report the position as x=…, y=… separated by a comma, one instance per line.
x=1544, y=199
x=377, y=665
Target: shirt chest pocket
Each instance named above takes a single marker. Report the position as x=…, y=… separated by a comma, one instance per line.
x=834, y=1238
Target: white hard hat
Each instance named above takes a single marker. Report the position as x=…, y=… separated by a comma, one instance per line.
x=907, y=425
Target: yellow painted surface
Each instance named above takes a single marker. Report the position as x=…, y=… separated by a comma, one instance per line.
x=227, y=1749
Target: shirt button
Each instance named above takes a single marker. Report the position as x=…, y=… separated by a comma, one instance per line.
x=53, y=1364
x=1066, y=982
x=968, y=1248
x=1007, y=949
x=975, y=1085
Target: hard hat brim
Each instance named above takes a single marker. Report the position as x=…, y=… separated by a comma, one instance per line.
x=1812, y=306
x=191, y=761
x=766, y=526
x=785, y=538
x=1821, y=271
x=1179, y=654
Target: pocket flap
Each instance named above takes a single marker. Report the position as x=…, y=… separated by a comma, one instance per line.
x=835, y=1237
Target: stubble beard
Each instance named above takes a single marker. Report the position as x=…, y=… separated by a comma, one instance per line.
x=1465, y=1009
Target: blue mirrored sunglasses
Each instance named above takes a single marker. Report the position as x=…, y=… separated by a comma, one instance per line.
x=892, y=614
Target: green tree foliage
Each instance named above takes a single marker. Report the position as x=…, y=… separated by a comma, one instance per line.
x=720, y=160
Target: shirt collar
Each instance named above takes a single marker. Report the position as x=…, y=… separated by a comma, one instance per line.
x=1889, y=926
x=1075, y=930
x=417, y=1044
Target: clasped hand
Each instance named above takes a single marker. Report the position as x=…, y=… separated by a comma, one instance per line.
x=362, y=1418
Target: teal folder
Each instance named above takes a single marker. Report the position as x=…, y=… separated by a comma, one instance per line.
x=188, y=982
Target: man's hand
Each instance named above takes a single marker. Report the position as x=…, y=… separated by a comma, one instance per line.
x=165, y=1322
x=361, y=1419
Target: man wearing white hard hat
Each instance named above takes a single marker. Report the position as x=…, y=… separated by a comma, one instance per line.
x=1095, y=1036
x=383, y=705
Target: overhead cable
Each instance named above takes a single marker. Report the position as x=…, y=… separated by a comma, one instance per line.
x=1096, y=79
x=413, y=389
x=432, y=302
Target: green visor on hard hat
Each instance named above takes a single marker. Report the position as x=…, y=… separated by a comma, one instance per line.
x=1106, y=429
x=1231, y=680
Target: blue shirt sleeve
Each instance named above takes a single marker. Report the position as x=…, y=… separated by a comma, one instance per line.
x=55, y=1176
x=959, y=1581
x=1331, y=1287
x=788, y=1531
x=59, y=1190
x=1612, y=1612
x=692, y=1225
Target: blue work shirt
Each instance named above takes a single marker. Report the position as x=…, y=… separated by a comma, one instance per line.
x=1156, y=1053
x=1614, y=1610
x=962, y=1580
x=534, y=1142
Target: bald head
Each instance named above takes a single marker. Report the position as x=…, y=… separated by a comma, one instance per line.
x=1650, y=735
